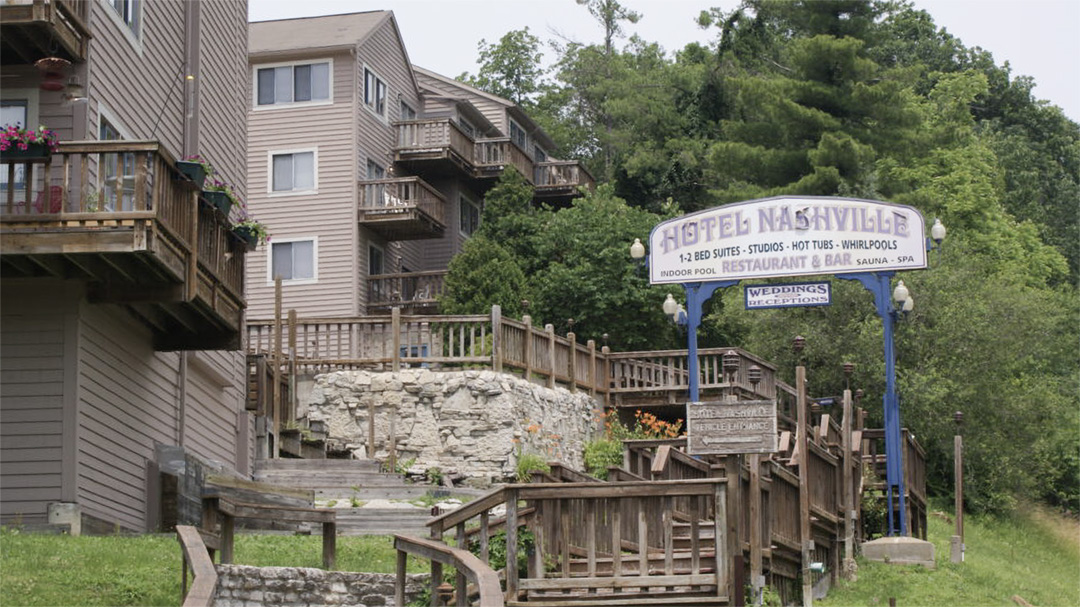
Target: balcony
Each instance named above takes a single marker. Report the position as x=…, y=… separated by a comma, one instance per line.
x=32, y=29
x=560, y=180
x=413, y=292
x=118, y=215
x=405, y=208
x=437, y=147
x=494, y=155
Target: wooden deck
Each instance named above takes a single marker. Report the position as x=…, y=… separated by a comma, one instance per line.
x=119, y=215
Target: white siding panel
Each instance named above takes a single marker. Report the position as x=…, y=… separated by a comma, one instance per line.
x=210, y=416
x=223, y=89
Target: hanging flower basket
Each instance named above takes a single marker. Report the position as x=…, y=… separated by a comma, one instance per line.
x=194, y=171
x=219, y=200
x=22, y=145
x=248, y=235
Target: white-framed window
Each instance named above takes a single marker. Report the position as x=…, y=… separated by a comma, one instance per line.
x=293, y=171
x=539, y=155
x=466, y=127
x=295, y=260
x=128, y=16
x=374, y=92
x=470, y=216
x=519, y=136
x=376, y=260
x=290, y=84
x=407, y=112
x=118, y=168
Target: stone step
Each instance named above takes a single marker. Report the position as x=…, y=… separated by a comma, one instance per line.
x=369, y=492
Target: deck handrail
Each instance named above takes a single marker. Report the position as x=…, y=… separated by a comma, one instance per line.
x=468, y=566
x=204, y=583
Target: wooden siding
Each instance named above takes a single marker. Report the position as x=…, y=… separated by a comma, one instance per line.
x=224, y=89
x=329, y=215
x=128, y=399
x=435, y=253
x=32, y=337
x=210, y=411
x=130, y=79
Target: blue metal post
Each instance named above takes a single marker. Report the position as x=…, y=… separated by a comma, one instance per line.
x=878, y=284
x=697, y=293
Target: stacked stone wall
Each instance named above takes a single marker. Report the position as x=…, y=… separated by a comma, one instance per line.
x=244, y=586
x=471, y=424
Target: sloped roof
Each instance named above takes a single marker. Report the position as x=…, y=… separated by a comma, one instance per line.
x=313, y=32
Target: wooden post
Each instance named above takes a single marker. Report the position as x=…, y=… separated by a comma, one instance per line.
x=329, y=546
x=399, y=579
x=528, y=346
x=550, y=330
x=292, y=365
x=757, y=578
x=571, y=366
x=591, y=344
x=848, y=495
x=228, y=526
x=605, y=375
x=395, y=328
x=720, y=539
x=957, y=548
x=804, y=486
x=276, y=415
x=496, y=339
x=511, y=544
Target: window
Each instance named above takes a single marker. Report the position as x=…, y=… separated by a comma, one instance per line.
x=14, y=112
x=293, y=171
x=407, y=112
x=374, y=171
x=129, y=12
x=293, y=260
x=374, y=93
x=376, y=260
x=518, y=135
x=467, y=127
x=119, y=170
x=470, y=216
x=539, y=155
x=293, y=84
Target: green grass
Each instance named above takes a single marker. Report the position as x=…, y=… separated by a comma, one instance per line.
x=145, y=570
x=1031, y=554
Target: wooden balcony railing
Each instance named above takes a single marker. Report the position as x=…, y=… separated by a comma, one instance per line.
x=492, y=155
x=127, y=201
x=558, y=177
x=412, y=291
x=33, y=29
x=437, y=138
x=404, y=208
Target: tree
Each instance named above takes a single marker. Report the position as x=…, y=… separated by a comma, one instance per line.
x=510, y=69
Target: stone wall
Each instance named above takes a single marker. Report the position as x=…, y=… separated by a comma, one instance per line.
x=244, y=586
x=470, y=424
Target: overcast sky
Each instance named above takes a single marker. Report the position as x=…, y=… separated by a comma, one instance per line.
x=1039, y=38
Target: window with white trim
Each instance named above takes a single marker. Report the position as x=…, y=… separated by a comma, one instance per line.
x=293, y=260
x=292, y=171
x=374, y=92
x=293, y=84
x=470, y=216
x=466, y=127
x=130, y=12
x=407, y=111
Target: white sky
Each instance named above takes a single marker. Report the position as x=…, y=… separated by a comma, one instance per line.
x=1039, y=38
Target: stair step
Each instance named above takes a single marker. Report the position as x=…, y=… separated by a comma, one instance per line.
x=627, y=599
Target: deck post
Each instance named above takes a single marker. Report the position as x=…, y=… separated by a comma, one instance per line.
x=720, y=542
x=292, y=364
x=329, y=545
x=511, y=544
x=549, y=329
x=276, y=415
x=757, y=580
x=605, y=375
x=571, y=365
x=804, y=486
x=400, y=578
x=591, y=344
x=496, y=339
x=848, y=507
x=395, y=329
x=528, y=346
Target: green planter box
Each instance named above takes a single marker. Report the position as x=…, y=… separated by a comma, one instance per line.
x=193, y=171
x=247, y=236
x=218, y=200
x=33, y=151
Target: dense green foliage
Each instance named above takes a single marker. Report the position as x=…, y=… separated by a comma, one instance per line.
x=866, y=99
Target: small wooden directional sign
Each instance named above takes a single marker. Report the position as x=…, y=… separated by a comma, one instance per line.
x=731, y=427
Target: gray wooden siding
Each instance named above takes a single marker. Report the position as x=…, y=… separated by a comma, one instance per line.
x=331, y=214
x=32, y=408
x=223, y=89
x=128, y=398
x=143, y=88
x=210, y=411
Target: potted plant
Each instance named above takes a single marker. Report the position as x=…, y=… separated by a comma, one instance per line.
x=248, y=229
x=219, y=194
x=196, y=168
x=26, y=145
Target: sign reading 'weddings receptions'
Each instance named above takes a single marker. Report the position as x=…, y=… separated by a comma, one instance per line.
x=803, y=294
x=787, y=236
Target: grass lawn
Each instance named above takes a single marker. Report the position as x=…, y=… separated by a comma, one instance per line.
x=1032, y=554
x=145, y=570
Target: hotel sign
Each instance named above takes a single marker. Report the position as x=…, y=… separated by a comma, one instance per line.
x=787, y=236
x=728, y=428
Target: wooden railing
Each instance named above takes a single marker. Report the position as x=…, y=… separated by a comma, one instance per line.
x=194, y=554
x=66, y=33
x=410, y=290
x=469, y=568
x=417, y=137
x=619, y=538
x=382, y=199
x=496, y=153
x=561, y=174
x=95, y=188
